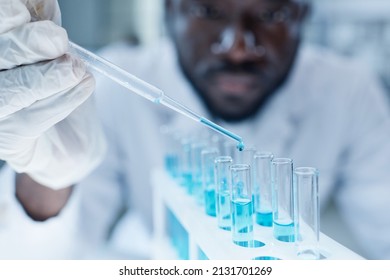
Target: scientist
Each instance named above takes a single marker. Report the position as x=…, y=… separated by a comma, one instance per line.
x=48, y=130
x=241, y=63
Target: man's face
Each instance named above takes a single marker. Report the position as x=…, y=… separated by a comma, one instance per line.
x=235, y=52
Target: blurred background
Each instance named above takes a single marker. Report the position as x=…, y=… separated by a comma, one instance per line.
x=358, y=28
x=354, y=28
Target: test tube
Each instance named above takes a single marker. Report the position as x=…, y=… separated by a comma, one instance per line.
x=241, y=205
x=208, y=157
x=307, y=215
x=196, y=166
x=185, y=164
x=222, y=178
x=247, y=156
x=171, y=158
x=263, y=190
x=282, y=199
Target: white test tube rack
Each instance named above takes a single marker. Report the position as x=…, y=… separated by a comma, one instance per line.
x=207, y=241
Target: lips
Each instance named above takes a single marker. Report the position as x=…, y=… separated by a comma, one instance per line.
x=236, y=84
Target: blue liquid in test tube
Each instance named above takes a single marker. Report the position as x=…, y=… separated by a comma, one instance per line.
x=222, y=177
x=186, y=165
x=208, y=156
x=242, y=222
x=263, y=188
x=210, y=206
x=247, y=156
x=283, y=199
x=264, y=219
x=241, y=205
x=284, y=231
x=196, y=167
x=223, y=210
x=172, y=155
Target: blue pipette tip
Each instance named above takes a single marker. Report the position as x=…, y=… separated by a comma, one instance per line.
x=240, y=146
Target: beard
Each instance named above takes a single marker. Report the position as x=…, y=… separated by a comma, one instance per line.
x=240, y=111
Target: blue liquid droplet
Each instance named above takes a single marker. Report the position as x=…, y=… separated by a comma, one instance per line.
x=240, y=146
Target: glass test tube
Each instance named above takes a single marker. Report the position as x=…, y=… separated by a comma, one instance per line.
x=247, y=156
x=241, y=205
x=185, y=164
x=263, y=189
x=222, y=178
x=282, y=199
x=208, y=180
x=196, y=165
x=307, y=215
x=171, y=158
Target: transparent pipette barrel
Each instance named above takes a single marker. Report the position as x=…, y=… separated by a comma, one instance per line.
x=116, y=74
x=143, y=89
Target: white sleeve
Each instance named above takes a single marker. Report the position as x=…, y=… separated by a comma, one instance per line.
x=23, y=238
x=364, y=194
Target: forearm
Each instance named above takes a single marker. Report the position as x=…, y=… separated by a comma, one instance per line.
x=38, y=201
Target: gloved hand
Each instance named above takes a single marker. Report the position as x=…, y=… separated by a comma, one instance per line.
x=48, y=127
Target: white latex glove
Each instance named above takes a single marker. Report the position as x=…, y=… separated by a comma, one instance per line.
x=48, y=127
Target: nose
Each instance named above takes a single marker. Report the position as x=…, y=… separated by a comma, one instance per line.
x=238, y=45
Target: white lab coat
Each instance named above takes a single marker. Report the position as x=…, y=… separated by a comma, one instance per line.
x=330, y=114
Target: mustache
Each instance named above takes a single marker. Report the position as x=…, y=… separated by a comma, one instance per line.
x=233, y=68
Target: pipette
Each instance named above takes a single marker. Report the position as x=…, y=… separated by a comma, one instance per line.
x=144, y=89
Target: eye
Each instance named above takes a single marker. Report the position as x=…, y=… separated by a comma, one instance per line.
x=282, y=15
x=266, y=16
x=275, y=16
x=205, y=11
